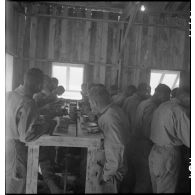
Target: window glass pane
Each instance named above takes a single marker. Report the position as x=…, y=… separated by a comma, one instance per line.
x=154, y=81
x=75, y=78
x=177, y=84
x=9, y=72
x=73, y=85
x=60, y=73
x=169, y=79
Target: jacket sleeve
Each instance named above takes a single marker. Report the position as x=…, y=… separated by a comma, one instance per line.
x=114, y=148
x=29, y=126
x=183, y=128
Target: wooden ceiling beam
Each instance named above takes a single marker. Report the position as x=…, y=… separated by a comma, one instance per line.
x=89, y=5
x=88, y=18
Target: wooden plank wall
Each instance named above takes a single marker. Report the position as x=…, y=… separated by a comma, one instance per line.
x=11, y=27
x=96, y=44
x=150, y=47
x=61, y=40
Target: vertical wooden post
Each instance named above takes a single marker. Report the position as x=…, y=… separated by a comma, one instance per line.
x=103, y=51
x=52, y=35
x=32, y=167
x=121, y=28
x=64, y=34
x=33, y=31
x=91, y=184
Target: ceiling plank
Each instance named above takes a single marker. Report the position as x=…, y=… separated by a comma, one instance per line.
x=101, y=6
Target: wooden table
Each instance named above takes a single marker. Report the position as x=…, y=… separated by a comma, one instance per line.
x=91, y=142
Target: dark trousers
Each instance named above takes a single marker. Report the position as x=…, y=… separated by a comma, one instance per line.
x=165, y=164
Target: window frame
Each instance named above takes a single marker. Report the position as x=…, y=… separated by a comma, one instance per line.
x=9, y=57
x=164, y=72
x=68, y=65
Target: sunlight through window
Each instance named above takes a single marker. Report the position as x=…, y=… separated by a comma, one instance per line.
x=70, y=76
x=9, y=71
x=170, y=78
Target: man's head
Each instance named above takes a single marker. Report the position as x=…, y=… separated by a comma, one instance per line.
x=183, y=95
x=99, y=98
x=113, y=90
x=130, y=90
x=54, y=82
x=143, y=90
x=60, y=90
x=162, y=93
x=174, y=92
x=90, y=86
x=33, y=81
x=84, y=88
x=47, y=84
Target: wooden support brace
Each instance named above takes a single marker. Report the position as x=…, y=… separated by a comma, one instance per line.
x=32, y=167
x=133, y=11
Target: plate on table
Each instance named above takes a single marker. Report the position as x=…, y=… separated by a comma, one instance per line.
x=91, y=124
x=93, y=130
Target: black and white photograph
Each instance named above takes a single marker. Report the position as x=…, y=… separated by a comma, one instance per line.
x=97, y=97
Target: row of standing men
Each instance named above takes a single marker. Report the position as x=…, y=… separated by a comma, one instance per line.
x=158, y=128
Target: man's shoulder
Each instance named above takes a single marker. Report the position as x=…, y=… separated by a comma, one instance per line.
x=146, y=102
x=115, y=111
x=132, y=98
x=165, y=107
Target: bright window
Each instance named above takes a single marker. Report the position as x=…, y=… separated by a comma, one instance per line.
x=170, y=78
x=70, y=76
x=9, y=71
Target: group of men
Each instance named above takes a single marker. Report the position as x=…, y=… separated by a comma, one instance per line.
x=142, y=133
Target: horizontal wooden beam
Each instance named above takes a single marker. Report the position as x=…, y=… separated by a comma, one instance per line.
x=103, y=20
x=148, y=68
x=63, y=61
x=88, y=5
x=160, y=26
x=166, y=13
x=73, y=18
x=68, y=141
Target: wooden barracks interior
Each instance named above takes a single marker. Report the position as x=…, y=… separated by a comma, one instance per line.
x=98, y=97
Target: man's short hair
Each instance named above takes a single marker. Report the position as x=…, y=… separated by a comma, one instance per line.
x=34, y=76
x=162, y=88
x=60, y=90
x=99, y=94
x=54, y=80
x=131, y=88
x=143, y=87
x=95, y=85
